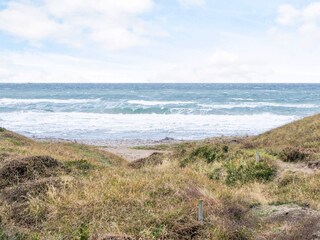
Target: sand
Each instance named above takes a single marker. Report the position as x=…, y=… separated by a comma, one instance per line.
x=131, y=154
x=123, y=148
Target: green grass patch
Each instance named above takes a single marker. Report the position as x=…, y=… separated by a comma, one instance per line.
x=15, y=142
x=84, y=233
x=249, y=171
x=88, y=152
x=160, y=147
x=208, y=153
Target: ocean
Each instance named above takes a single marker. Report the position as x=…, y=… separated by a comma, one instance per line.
x=96, y=112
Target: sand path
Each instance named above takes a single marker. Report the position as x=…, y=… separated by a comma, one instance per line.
x=295, y=167
x=131, y=154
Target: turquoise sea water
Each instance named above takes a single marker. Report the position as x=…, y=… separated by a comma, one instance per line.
x=152, y=111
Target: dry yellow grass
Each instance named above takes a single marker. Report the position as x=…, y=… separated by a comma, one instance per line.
x=303, y=135
x=16, y=145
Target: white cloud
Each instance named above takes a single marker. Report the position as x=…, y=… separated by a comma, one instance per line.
x=221, y=57
x=26, y=22
x=188, y=3
x=218, y=66
x=287, y=14
x=250, y=61
x=257, y=65
x=51, y=68
x=299, y=24
x=311, y=12
x=110, y=24
x=291, y=52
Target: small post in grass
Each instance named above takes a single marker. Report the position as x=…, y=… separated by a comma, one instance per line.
x=257, y=156
x=200, y=211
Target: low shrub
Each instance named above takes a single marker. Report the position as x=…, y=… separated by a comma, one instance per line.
x=2, y=129
x=29, y=168
x=209, y=153
x=292, y=155
x=248, y=172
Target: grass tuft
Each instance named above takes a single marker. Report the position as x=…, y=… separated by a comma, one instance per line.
x=250, y=171
x=209, y=153
x=83, y=166
x=290, y=154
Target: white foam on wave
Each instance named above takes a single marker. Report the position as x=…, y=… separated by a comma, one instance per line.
x=16, y=101
x=155, y=103
x=243, y=99
x=77, y=125
x=256, y=105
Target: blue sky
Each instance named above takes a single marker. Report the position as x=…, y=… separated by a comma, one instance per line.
x=159, y=41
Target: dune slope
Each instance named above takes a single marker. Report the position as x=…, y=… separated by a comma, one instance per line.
x=51, y=190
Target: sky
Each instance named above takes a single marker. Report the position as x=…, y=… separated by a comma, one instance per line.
x=169, y=41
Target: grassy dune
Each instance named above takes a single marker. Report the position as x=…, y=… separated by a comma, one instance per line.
x=302, y=136
x=74, y=191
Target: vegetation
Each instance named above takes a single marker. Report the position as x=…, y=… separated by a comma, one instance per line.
x=249, y=171
x=292, y=155
x=303, y=136
x=51, y=190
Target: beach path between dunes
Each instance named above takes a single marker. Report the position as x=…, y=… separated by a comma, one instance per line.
x=131, y=154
